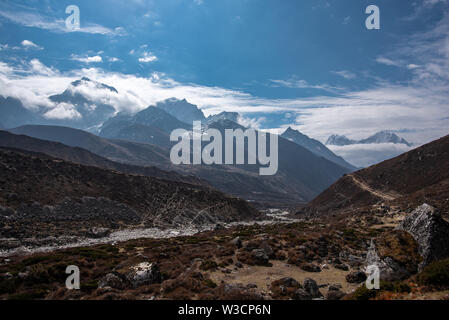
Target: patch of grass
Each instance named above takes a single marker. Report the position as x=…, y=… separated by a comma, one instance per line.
x=398, y=287
x=435, y=274
x=89, y=286
x=363, y=293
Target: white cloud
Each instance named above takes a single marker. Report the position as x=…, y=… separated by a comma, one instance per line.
x=388, y=62
x=38, y=67
x=87, y=59
x=412, y=66
x=34, y=20
x=29, y=44
x=345, y=74
x=147, y=57
x=302, y=84
x=63, y=111
x=364, y=155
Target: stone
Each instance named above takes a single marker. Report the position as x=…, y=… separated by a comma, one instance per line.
x=237, y=242
x=310, y=267
x=311, y=287
x=356, y=277
x=218, y=227
x=98, y=233
x=431, y=232
x=302, y=294
x=144, y=273
x=284, y=288
x=111, y=280
x=334, y=287
x=335, y=294
x=260, y=257
x=266, y=248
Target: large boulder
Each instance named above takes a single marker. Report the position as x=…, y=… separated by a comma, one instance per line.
x=396, y=254
x=431, y=232
x=144, y=273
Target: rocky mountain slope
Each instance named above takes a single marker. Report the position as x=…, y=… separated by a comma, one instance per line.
x=315, y=146
x=41, y=196
x=84, y=157
x=182, y=110
x=420, y=175
x=292, y=184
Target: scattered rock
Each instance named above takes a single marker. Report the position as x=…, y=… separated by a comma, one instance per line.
x=238, y=292
x=111, y=280
x=260, y=257
x=266, y=248
x=310, y=267
x=311, y=287
x=431, y=232
x=335, y=286
x=356, y=277
x=237, y=242
x=302, y=294
x=284, y=288
x=98, y=233
x=218, y=227
x=335, y=294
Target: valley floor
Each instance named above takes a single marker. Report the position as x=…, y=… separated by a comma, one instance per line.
x=298, y=260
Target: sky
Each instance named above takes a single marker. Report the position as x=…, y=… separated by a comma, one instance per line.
x=309, y=64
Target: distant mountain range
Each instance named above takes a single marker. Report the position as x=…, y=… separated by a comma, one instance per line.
x=315, y=146
x=182, y=110
x=301, y=175
x=142, y=139
x=379, y=137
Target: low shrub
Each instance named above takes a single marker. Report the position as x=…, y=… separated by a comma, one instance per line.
x=435, y=274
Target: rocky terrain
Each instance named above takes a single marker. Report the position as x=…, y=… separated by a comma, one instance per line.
x=320, y=251
x=42, y=198
x=309, y=259
x=84, y=157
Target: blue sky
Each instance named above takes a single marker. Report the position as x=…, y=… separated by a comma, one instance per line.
x=310, y=64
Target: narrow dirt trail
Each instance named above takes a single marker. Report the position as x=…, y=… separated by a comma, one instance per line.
x=362, y=185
